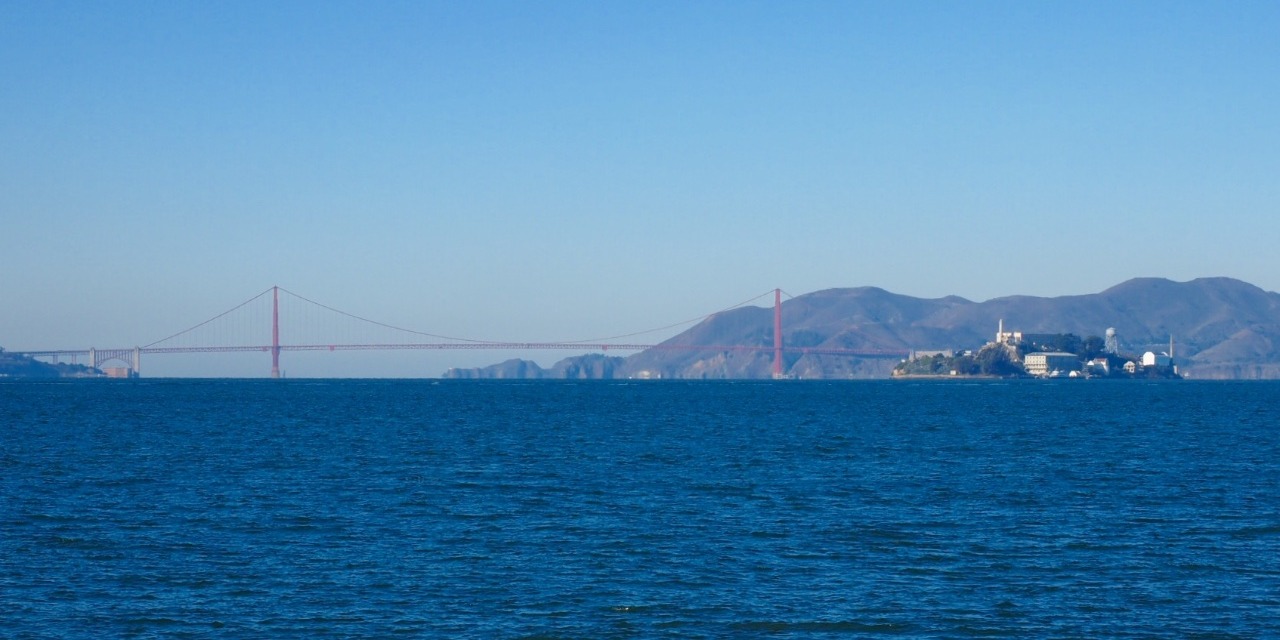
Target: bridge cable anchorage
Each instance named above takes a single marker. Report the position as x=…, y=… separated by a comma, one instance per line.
x=220, y=315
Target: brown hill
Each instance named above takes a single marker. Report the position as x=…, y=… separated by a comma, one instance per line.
x=1223, y=328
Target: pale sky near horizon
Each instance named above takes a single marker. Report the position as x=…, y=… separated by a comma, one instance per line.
x=556, y=170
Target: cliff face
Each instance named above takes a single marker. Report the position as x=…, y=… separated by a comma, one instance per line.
x=12, y=366
x=1223, y=328
x=15, y=366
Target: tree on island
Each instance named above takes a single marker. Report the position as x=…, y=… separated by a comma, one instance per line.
x=991, y=360
x=1093, y=347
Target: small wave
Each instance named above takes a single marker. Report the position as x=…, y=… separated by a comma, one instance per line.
x=839, y=626
x=1257, y=532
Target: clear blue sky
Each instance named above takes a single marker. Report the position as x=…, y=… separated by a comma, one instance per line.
x=542, y=171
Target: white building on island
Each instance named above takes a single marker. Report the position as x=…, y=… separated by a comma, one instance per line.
x=1045, y=362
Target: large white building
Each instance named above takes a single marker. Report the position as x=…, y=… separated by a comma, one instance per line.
x=1046, y=362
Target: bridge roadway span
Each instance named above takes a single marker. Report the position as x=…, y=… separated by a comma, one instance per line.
x=95, y=357
x=105, y=354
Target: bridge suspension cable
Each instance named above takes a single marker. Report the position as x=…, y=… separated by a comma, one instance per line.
x=670, y=326
x=210, y=320
x=238, y=329
x=385, y=325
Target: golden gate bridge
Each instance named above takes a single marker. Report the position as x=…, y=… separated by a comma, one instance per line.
x=211, y=336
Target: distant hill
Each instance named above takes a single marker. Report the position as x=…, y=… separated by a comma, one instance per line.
x=587, y=367
x=1222, y=328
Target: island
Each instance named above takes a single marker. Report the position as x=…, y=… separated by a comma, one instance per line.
x=1014, y=354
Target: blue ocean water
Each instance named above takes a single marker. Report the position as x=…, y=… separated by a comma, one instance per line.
x=463, y=509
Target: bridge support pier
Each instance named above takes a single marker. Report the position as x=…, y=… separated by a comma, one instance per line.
x=275, y=332
x=777, y=334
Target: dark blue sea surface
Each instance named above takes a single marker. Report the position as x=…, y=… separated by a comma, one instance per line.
x=454, y=509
